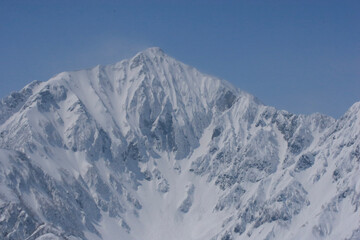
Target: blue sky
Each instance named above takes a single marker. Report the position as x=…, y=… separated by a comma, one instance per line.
x=302, y=56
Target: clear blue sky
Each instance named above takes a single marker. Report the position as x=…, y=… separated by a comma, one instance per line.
x=302, y=56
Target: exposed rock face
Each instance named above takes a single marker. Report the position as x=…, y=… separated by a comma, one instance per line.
x=150, y=148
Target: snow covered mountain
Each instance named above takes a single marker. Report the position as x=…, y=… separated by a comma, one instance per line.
x=150, y=148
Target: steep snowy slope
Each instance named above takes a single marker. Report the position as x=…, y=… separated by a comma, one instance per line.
x=150, y=148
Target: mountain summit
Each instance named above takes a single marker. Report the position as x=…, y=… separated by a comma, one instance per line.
x=151, y=148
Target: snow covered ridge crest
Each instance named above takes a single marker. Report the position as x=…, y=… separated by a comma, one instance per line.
x=150, y=148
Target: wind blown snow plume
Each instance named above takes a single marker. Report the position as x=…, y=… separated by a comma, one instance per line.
x=150, y=148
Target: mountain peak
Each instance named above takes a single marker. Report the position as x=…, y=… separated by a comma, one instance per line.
x=152, y=52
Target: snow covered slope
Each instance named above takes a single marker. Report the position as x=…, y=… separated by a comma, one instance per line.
x=150, y=148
